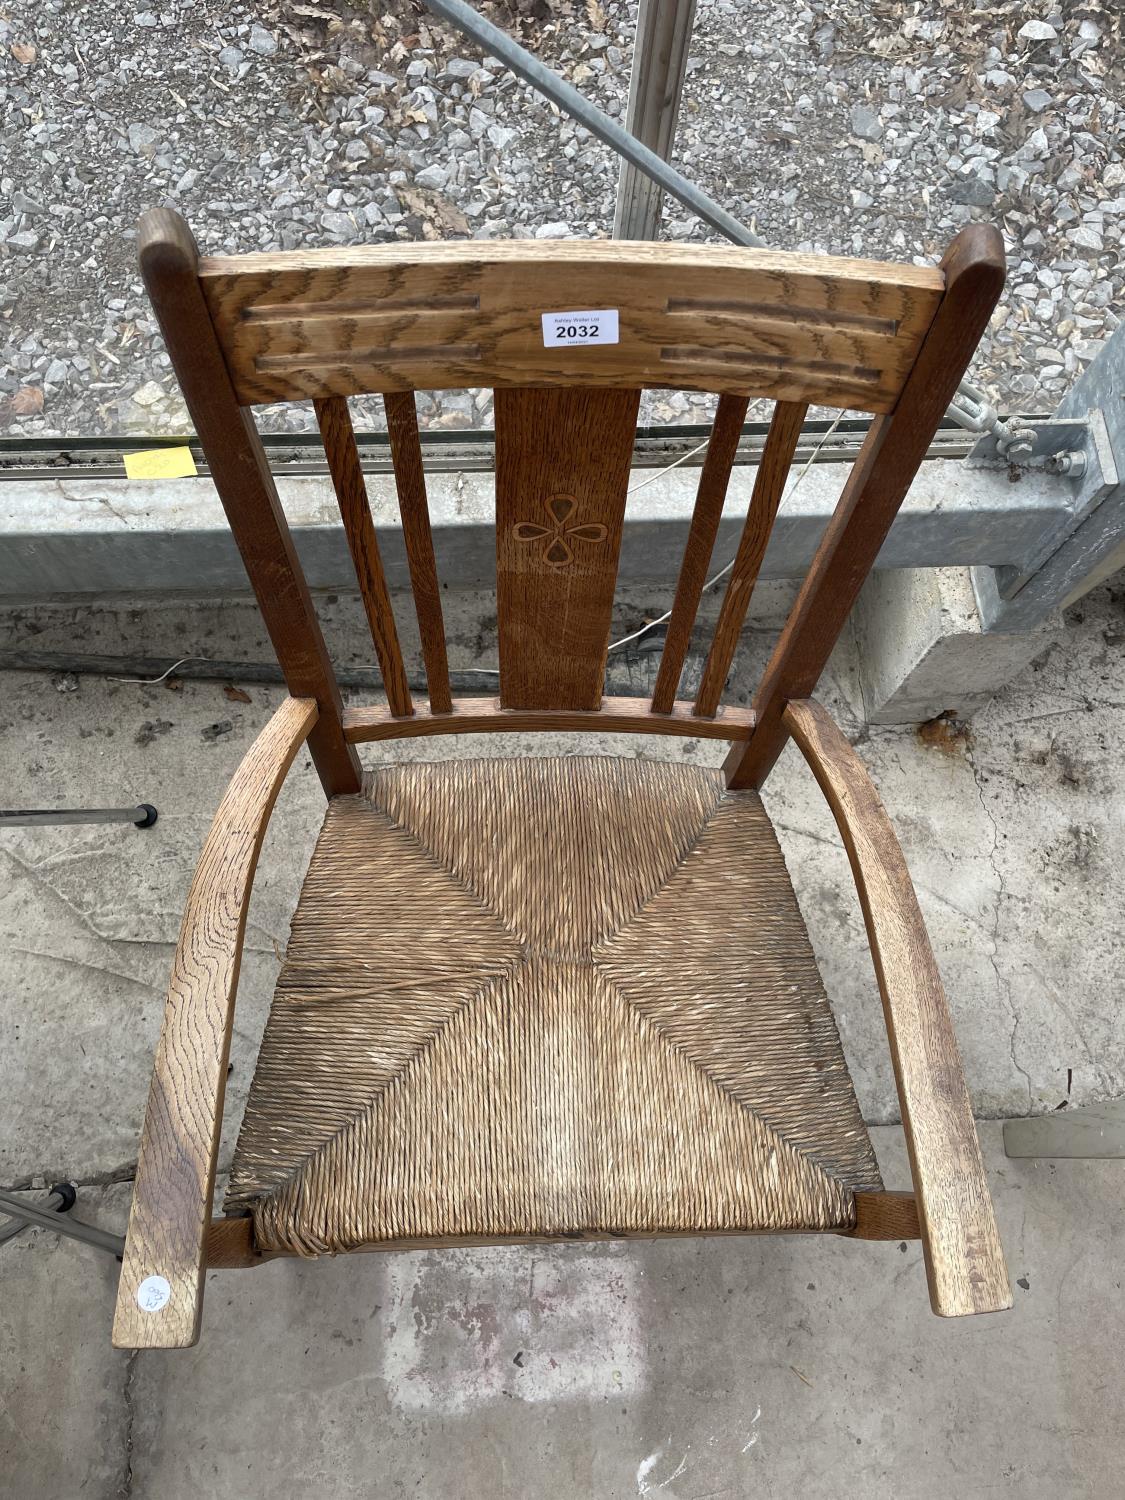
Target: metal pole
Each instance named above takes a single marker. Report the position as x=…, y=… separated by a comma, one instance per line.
x=568, y=99
x=59, y=1200
x=532, y=71
x=142, y=816
x=45, y=1218
x=660, y=54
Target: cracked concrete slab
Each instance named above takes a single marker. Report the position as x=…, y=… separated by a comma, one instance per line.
x=773, y=1366
x=683, y=1369
x=1048, y=761
x=64, y=1416
x=89, y=915
x=1013, y=827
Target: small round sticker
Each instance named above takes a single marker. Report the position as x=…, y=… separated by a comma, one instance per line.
x=153, y=1293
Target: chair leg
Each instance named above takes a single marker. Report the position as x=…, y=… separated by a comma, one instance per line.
x=59, y=1220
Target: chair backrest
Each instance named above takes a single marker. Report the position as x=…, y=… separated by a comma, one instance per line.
x=567, y=334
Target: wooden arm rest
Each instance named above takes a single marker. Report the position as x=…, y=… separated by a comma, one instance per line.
x=171, y=1212
x=964, y=1261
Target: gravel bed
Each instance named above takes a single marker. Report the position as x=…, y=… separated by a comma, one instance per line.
x=875, y=129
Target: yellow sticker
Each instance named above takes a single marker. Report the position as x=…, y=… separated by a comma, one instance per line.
x=160, y=463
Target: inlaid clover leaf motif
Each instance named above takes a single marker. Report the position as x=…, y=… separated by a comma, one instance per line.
x=562, y=530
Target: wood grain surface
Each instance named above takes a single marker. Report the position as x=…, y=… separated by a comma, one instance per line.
x=488, y=716
x=562, y=470
x=964, y=1258
x=714, y=478
x=410, y=481
x=885, y=1216
x=335, y=423
x=172, y=1194
x=241, y=475
x=460, y=314
x=230, y=1246
x=769, y=485
x=888, y=339
x=877, y=485
x=879, y=1216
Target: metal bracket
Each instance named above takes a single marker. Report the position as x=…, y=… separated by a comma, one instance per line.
x=1083, y=444
x=1076, y=449
x=972, y=410
x=1051, y=439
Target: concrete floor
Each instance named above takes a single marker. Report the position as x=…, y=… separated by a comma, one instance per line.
x=685, y=1369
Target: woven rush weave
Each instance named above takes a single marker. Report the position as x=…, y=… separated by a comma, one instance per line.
x=547, y=997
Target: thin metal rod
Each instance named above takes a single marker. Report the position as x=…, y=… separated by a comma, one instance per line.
x=32, y=460
x=568, y=99
x=55, y=1202
x=142, y=816
x=45, y=1218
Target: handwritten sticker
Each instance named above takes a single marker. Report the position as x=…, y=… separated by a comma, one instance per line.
x=570, y=329
x=153, y=1294
x=161, y=463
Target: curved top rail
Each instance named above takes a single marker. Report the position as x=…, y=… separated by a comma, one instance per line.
x=702, y=317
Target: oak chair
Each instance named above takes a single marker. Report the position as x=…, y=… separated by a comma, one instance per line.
x=552, y=998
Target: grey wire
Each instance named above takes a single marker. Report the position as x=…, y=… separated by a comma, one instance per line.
x=151, y=681
x=683, y=458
